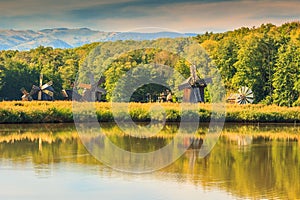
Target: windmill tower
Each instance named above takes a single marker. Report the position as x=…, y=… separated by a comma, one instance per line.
x=193, y=87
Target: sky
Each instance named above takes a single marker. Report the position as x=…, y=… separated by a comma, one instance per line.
x=184, y=16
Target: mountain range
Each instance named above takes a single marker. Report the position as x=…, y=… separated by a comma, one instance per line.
x=70, y=38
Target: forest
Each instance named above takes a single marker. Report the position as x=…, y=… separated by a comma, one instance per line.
x=265, y=59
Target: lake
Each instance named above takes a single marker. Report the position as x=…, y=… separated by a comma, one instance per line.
x=49, y=161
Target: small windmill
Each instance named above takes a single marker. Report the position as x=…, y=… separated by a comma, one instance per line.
x=26, y=96
x=193, y=87
x=244, y=96
x=45, y=92
x=92, y=91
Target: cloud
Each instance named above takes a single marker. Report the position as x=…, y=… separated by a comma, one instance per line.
x=221, y=16
x=134, y=8
x=120, y=15
x=201, y=17
x=34, y=7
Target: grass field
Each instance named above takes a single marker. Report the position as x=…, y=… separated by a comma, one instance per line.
x=61, y=111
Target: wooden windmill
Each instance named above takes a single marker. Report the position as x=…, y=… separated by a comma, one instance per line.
x=193, y=87
x=44, y=92
x=90, y=91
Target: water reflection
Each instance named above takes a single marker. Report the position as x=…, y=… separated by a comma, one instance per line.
x=248, y=161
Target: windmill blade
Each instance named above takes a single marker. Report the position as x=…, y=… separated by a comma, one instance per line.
x=101, y=90
x=86, y=86
x=249, y=93
x=241, y=100
x=40, y=95
x=41, y=80
x=247, y=90
x=241, y=90
x=101, y=80
x=249, y=101
x=64, y=93
x=91, y=76
x=41, y=83
x=48, y=92
x=193, y=72
x=249, y=96
x=24, y=91
x=208, y=80
x=34, y=90
x=50, y=83
x=26, y=96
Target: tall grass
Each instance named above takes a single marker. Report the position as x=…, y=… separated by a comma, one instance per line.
x=61, y=111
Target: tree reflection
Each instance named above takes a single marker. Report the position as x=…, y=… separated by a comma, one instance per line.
x=248, y=161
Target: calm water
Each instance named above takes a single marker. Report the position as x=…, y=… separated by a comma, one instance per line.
x=248, y=162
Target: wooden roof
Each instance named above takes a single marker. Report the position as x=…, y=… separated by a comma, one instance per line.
x=188, y=83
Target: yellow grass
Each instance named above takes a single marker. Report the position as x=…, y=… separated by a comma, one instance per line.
x=61, y=111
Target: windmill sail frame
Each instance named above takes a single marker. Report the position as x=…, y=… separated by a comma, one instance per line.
x=193, y=87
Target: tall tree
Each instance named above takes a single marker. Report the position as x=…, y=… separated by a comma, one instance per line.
x=254, y=66
x=286, y=76
x=14, y=76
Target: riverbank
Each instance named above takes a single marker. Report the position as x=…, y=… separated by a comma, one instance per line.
x=61, y=111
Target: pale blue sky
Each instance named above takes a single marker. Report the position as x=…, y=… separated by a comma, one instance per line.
x=124, y=15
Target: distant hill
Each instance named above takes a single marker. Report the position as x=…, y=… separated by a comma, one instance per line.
x=69, y=38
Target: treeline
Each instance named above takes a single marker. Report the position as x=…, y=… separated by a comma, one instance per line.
x=266, y=59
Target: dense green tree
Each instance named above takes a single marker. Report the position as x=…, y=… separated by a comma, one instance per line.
x=254, y=65
x=225, y=56
x=286, y=76
x=13, y=78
